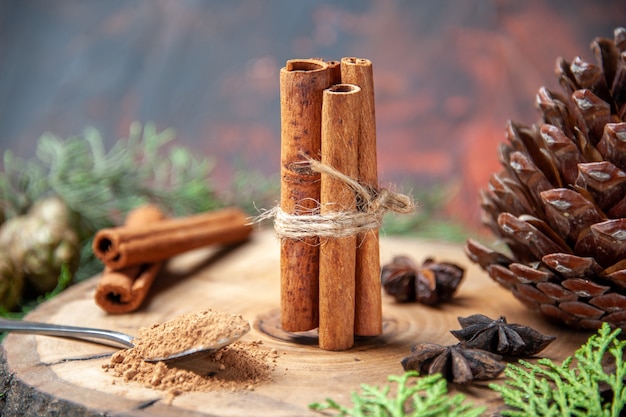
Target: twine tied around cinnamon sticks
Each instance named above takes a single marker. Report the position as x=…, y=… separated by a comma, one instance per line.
x=371, y=205
x=328, y=220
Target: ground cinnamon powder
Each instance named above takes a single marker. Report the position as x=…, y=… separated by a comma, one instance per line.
x=238, y=366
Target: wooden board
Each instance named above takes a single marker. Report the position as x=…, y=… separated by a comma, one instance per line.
x=42, y=373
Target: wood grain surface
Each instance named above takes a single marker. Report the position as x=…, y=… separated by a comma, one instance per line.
x=55, y=376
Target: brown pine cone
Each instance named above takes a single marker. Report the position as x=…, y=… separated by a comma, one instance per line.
x=559, y=204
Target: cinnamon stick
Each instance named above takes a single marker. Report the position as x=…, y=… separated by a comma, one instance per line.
x=125, y=246
x=123, y=291
x=337, y=260
x=301, y=85
x=368, y=298
x=335, y=72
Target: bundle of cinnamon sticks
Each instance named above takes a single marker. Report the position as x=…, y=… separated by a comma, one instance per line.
x=327, y=111
x=133, y=254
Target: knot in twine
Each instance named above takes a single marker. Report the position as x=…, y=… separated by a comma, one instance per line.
x=372, y=204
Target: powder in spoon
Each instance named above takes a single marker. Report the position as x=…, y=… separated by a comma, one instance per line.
x=189, y=331
x=240, y=365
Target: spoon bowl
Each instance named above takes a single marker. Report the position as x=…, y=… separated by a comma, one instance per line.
x=112, y=338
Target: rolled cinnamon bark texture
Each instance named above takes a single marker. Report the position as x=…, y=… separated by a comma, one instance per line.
x=302, y=83
x=337, y=261
x=125, y=246
x=134, y=253
x=328, y=222
x=368, y=297
x=123, y=291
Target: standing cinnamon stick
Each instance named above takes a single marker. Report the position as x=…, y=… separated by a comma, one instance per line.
x=301, y=85
x=335, y=72
x=124, y=246
x=124, y=290
x=368, y=319
x=340, y=134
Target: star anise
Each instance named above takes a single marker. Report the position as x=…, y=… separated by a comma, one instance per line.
x=430, y=283
x=455, y=363
x=498, y=336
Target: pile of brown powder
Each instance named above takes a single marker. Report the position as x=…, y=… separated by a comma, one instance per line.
x=190, y=331
x=240, y=365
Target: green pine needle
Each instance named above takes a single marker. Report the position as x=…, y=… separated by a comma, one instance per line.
x=103, y=186
x=572, y=388
x=100, y=185
x=415, y=397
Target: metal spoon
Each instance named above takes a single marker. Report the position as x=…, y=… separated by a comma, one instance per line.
x=100, y=335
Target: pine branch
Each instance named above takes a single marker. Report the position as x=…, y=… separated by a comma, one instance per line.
x=427, y=396
x=102, y=187
x=581, y=386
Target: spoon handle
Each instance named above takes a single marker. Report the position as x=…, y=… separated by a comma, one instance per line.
x=65, y=331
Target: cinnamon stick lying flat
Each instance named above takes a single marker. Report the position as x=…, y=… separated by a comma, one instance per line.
x=123, y=291
x=301, y=85
x=368, y=315
x=337, y=260
x=125, y=246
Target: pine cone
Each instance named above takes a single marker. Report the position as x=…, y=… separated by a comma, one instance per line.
x=40, y=242
x=560, y=202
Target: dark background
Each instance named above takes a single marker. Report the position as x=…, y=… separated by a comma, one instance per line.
x=448, y=74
